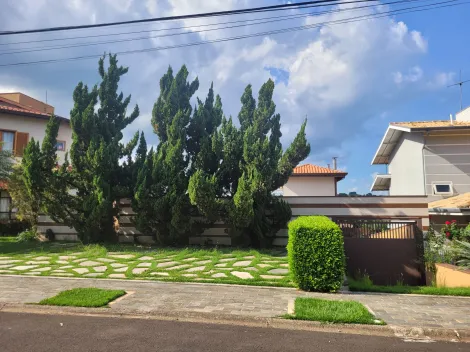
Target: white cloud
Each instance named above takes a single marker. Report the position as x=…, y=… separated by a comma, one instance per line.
x=340, y=76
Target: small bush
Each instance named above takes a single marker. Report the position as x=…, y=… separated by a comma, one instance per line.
x=27, y=236
x=316, y=253
x=12, y=228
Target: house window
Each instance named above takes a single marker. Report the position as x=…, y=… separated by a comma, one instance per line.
x=7, y=140
x=61, y=146
x=442, y=189
x=5, y=203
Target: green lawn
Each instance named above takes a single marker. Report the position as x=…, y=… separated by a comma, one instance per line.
x=355, y=285
x=128, y=261
x=329, y=311
x=83, y=297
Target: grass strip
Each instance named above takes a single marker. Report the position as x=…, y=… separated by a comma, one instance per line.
x=330, y=311
x=83, y=297
x=361, y=286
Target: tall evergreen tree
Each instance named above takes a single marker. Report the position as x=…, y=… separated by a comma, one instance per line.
x=161, y=201
x=6, y=164
x=242, y=195
x=97, y=180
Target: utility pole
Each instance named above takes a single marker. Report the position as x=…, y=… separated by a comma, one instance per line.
x=460, y=83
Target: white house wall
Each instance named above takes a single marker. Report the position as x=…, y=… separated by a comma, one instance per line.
x=447, y=159
x=36, y=128
x=309, y=186
x=406, y=166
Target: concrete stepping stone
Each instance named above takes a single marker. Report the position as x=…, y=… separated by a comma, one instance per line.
x=249, y=257
x=118, y=265
x=32, y=273
x=146, y=258
x=4, y=266
x=92, y=274
x=117, y=276
x=270, y=261
x=24, y=267
x=203, y=262
x=47, y=268
x=66, y=257
x=89, y=263
x=242, y=263
x=62, y=262
x=3, y=271
x=166, y=264
x=42, y=258
x=227, y=255
x=160, y=274
x=279, y=271
x=121, y=270
x=178, y=267
x=10, y=261
x=219, y=275
x=197, y=268
x=100, y=269
x=189, y=275
x=37, y=262
x=274, y=277
x=221, y=265
x=241, y=275
x=189, y=259
x=264, y=265
x=81, y=270
x=138, y=271
x=123, y=256
x=58, y=271
x=144, y=265
x=79, y=260
x=250, y=269
x=285, y=265
x=67, y=267
x=226, y=260
x=106, y=260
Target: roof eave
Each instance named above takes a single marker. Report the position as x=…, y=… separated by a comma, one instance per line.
x=32, y=114
x=376, y=158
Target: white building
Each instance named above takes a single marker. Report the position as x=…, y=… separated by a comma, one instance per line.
x=312, y=180
x=429, y=158
x=23, y=118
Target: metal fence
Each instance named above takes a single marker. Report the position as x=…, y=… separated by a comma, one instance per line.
x=377, y=229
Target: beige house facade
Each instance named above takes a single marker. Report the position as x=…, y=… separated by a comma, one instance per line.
x=21, y=119
x=312, y=181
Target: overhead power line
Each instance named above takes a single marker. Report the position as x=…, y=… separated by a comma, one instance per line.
x=183, y=17
x=276, y=19
x=448, y=3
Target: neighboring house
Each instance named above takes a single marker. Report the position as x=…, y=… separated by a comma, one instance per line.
x=23, y=118
x=312, y=180
x=430, y=158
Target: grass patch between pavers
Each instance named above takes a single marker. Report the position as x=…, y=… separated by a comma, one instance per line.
x=224, y=265
x=83, y=297
x=330, y=311
x=360, y=286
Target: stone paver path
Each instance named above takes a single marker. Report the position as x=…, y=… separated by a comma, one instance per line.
x=159, y=297
x=202, y=266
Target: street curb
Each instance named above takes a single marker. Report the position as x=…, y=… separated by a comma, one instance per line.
x=404, y=332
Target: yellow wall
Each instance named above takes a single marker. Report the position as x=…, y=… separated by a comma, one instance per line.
x=450, y=276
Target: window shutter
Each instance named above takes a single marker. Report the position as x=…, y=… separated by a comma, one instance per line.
x=21, y=142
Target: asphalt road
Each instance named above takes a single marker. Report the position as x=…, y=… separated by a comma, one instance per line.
x=30, y=332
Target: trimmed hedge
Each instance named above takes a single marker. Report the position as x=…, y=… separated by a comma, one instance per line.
x=316, y=254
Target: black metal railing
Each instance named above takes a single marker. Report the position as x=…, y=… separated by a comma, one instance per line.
x=377, y=229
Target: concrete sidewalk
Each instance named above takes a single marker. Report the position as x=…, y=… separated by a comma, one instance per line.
x=154, y=298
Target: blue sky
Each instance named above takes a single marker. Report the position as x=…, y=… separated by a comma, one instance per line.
x=350, y=80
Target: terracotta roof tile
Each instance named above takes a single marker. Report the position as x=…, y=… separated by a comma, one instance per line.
x=460, y=201
x=431, y=124
x=309, y=169
x=9, y=106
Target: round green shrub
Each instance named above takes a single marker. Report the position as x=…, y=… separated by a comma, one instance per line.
x=316, y=254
